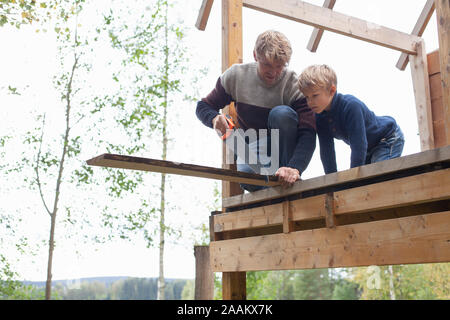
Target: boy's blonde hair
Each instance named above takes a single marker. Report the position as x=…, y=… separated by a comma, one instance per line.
x=274, y=46
x=317, y=76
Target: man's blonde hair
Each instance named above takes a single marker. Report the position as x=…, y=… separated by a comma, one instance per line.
x=317, y=76
x=274, y=46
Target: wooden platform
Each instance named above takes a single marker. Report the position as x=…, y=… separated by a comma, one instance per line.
x=391, y=212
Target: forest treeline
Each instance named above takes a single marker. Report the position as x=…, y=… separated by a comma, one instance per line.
x=403, y=282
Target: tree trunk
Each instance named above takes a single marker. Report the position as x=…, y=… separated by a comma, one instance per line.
x=391, y=283
x=48, y=285
x=161, y=281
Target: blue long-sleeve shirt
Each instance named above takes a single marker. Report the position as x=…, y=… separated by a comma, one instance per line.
x=350, y=120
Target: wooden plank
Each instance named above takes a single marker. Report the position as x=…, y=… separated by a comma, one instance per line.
x=421, y=85
x=427, y=187
x=417, y=239
x=418, y=30
x=366, y=172
x=203, y=14
x=317, y=33
x=249, y=218
x=327, y=19
x=403, y=192
x=146, y=164
x=443, y=24
x=232, y=48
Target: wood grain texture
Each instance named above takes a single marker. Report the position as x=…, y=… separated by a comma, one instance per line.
x=359, y=174
x=161, y=166
x=329, y=20
x=417, y=239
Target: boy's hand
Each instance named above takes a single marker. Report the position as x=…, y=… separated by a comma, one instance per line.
x=287, y=176
x=220, y=124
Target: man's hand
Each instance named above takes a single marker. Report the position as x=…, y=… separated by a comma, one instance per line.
x=220, y=124
x=287, y=176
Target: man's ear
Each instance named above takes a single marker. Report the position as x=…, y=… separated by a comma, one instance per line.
x=254, y=55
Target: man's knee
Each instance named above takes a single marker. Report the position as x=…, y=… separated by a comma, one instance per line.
x=282, y=117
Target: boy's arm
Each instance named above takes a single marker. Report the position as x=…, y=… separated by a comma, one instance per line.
x=209, y=107
x=354, y=121
x=327, y=151
x=306, y=137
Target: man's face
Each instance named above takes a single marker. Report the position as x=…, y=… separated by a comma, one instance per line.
x=269, y=71
x=319, y=99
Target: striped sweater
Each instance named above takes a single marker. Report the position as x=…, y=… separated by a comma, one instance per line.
x=253, y=101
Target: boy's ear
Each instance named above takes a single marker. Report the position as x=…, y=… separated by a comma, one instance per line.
x=333, y=89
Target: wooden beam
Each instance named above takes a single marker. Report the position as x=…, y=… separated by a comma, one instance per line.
x=327, y=19
x=232, y=48
x=443, y=24
x=317, y=33
x=146, y=164
x=203, y=14
x=421, y=86
x=358, y=174
x=417, y=239
x=418, y=30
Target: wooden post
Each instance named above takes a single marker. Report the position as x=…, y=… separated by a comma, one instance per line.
x=233, y=283
x=204, y=277
x=443, y=24
x=418, y=30
x=421, y=85
x=231, y=54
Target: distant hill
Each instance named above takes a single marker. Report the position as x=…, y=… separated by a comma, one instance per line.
x=112, y=288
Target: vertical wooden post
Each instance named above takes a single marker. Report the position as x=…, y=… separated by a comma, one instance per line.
x=443, y=24
x=233, y=283
x=204, y=277
x=421, y=85
x=288, y=225
x=231, y=54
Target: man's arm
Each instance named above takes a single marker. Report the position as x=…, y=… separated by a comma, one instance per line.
x=208, y=108
x=306, y=137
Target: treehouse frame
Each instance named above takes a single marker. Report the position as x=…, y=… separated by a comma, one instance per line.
x=393, y=212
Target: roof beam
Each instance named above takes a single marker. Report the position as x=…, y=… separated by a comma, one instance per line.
x=418, y=30
x=327, y=19
x=203, y=14
x=317, y=33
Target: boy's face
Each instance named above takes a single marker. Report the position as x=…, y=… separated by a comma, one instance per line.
x=319, y=99
x=269, y=71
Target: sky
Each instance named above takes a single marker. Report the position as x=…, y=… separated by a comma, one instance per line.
x=364, y=70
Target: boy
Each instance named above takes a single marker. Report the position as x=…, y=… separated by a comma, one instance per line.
x=371, y=138
x=266, y=96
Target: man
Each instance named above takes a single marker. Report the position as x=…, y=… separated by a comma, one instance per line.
x=266, y=96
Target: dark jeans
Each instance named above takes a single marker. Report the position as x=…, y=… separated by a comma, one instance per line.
x=388, y=148
x=285, y=119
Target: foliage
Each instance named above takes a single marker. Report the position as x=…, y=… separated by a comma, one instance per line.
x=419, y=281
x=22, y=12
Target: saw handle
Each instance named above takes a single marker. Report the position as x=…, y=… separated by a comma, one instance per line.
x=230, y=126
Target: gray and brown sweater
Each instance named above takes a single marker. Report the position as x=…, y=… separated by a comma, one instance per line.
x=253, y=101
